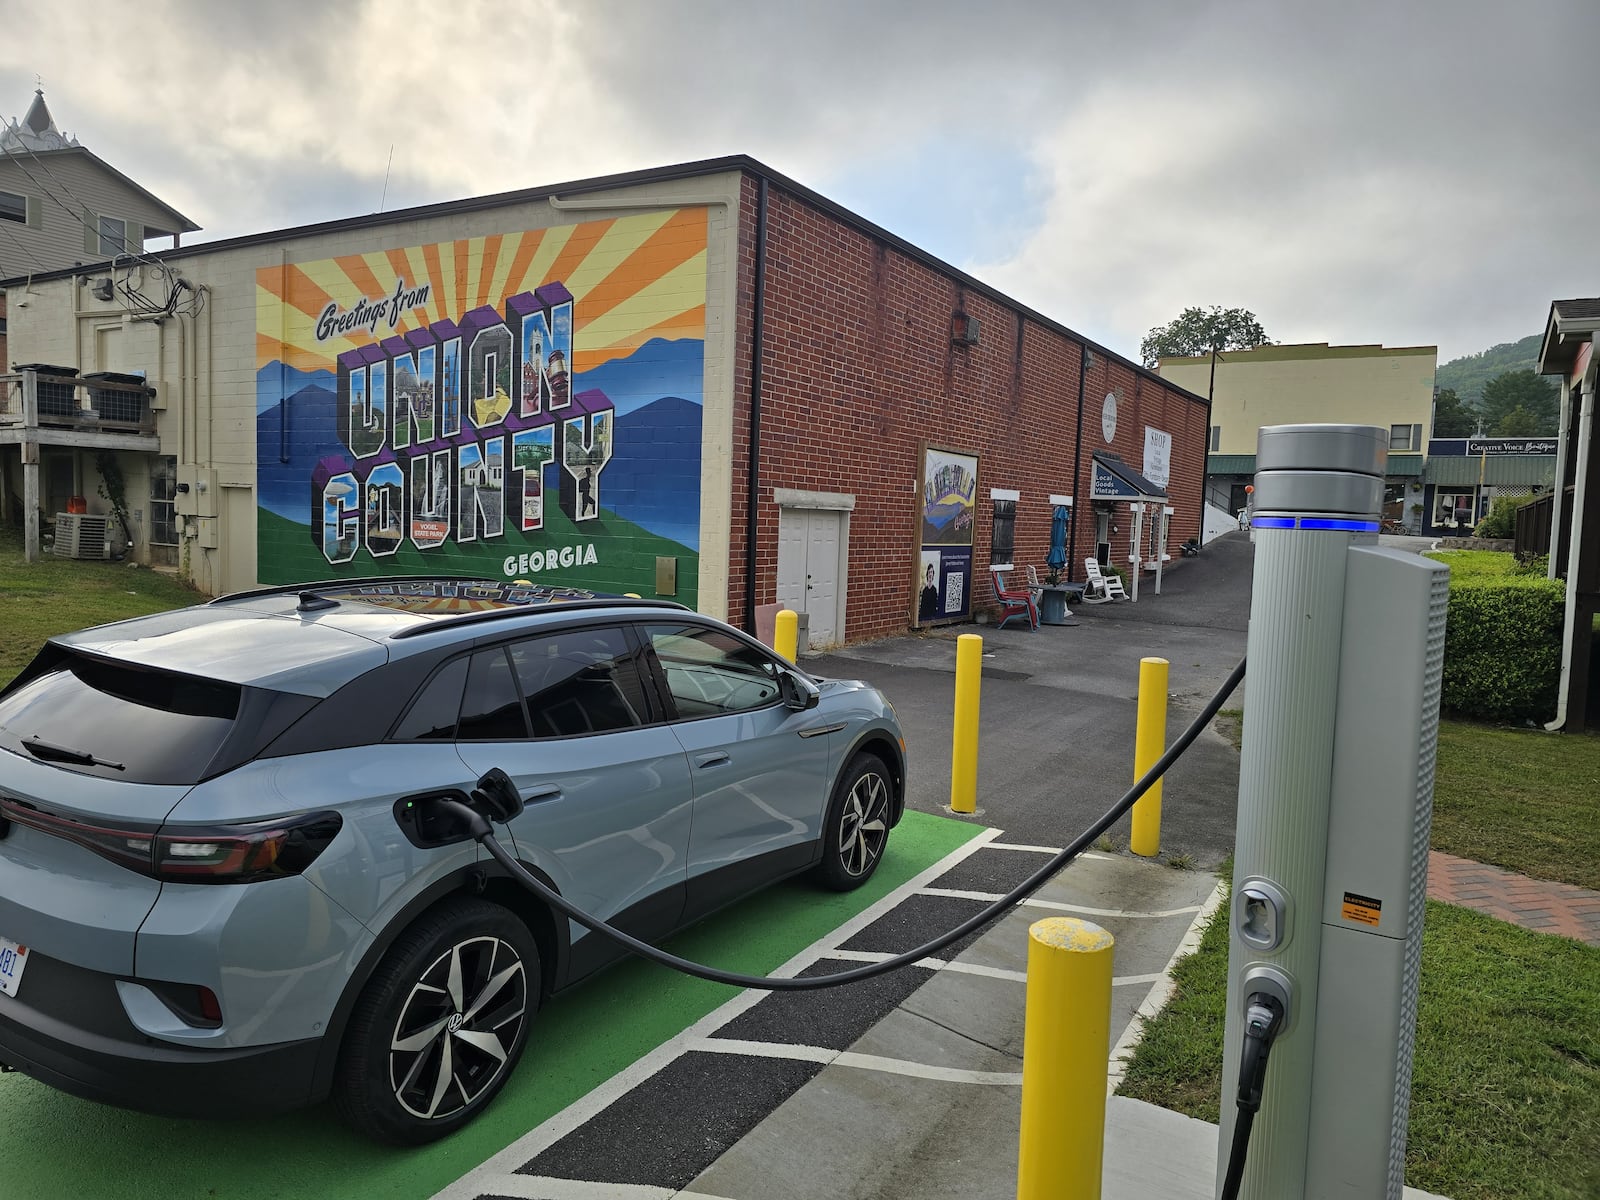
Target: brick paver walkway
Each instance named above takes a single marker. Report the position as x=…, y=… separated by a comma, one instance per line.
x=1573, y=912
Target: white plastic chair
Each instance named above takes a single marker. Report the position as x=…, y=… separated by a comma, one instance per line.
x=1100, y=587
x=1035, y=588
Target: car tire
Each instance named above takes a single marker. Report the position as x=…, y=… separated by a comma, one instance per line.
x=856, y=829
x=439, y=1027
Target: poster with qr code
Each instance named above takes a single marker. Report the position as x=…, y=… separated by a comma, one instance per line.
x=943, y=584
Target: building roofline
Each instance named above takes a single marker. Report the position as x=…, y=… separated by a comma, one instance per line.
x=1556, y=354
x=1304, y=352
x=183, y=223
x=667, y=174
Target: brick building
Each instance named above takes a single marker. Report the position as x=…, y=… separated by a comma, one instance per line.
x=672, y=382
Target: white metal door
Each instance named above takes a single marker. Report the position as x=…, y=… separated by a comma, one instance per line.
x=808, y=569
x=822, y=575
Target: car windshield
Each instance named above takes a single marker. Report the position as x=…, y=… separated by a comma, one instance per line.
x=119, y=722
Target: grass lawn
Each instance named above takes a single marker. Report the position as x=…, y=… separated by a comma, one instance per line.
x=1505, y=1097
x=56, y=595
x=1521, y=799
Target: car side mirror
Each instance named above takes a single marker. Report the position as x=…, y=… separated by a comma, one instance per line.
x=497, y=797
x=799, y=693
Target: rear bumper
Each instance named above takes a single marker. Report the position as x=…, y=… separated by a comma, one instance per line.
x=100, y=1056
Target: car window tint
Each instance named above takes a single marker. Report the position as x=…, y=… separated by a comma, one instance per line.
x=143, y=726
x=709, y=671
x=433, y=714
x=492, y=708
x=580, y=681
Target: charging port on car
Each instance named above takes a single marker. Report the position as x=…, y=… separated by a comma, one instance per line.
x=428, y=825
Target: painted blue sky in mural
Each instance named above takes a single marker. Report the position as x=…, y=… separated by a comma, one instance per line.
x=657, y=393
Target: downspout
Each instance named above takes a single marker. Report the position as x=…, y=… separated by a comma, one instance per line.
x=1077, y=467
x=1205, y=450
x=753, y=483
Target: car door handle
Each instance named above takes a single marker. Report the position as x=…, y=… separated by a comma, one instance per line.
x=715, y=759
x=549, y=791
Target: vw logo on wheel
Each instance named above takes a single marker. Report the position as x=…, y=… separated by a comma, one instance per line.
x=455, y=1022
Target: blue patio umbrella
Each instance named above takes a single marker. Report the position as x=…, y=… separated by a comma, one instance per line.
x=1058, y=538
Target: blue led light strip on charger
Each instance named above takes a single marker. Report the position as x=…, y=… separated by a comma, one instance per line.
x=1337, y=524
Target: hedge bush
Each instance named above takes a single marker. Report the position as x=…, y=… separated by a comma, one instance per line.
x=1502, y=646
x=1501, y=519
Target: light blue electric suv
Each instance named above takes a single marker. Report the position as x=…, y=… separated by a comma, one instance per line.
x=223, y=888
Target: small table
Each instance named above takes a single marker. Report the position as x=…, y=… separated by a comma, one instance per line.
x=1053, y=603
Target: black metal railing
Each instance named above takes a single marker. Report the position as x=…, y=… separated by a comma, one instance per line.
x=63, y=399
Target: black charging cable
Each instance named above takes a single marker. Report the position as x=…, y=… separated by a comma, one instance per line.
x=1263, y=1021
x=499, y=801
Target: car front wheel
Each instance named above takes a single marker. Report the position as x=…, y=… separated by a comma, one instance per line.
x=857, y=825
x=440, y=1025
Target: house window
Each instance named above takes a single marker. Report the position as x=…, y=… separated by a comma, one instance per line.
x=13, y=208
x=1216, y=438
x=163, y=493
x=1003, y=536
x=1405, y=437
x=113, y=235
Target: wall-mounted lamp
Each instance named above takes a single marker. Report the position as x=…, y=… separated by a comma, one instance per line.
x=183, y=489
x=964, y=328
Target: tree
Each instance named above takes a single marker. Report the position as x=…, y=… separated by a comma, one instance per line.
x=1519, y=422
x=1511, y=390
x=1451, y=418
x=1198, y=331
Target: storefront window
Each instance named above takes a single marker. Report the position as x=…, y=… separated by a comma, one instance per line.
x=1452, y=510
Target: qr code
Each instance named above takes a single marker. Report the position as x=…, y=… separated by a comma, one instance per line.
x=955, y=591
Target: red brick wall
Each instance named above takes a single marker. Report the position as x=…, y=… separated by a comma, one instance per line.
x=859, y=372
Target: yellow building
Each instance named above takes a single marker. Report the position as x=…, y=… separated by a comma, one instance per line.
x=1282, y=385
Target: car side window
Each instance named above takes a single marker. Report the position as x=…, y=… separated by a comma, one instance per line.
x=433, y=714
x=492, y=708
x=579, y=681
x=710, y=672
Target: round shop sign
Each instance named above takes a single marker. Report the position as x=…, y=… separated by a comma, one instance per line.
x=1108, y=416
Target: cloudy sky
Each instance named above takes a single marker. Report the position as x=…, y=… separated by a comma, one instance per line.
x=1370, y=171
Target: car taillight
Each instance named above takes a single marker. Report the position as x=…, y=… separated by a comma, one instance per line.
x=194, y=854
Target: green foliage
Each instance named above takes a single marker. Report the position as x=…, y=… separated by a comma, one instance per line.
x=1502, y=647
x=1501, y=519
x=1519, y=422
x=1452, y=418
x=1505, y=394
x=1197, y=331
x=1466, y=376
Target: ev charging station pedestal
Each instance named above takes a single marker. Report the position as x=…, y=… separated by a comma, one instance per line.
x=1346, y=649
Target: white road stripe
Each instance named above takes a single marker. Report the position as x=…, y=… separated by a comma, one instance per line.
x=1160, y=993
x=991, y=897
x=1087, y=854
x=545, y=1187
x=490, y=1174
x=864, y=1062
x=966, y=968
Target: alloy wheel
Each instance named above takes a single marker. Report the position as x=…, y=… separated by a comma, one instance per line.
x=864, y=824
x=458, y=1027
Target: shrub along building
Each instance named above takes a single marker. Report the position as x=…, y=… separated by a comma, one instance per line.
x=705, y=382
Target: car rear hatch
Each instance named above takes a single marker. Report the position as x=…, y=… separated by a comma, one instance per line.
x=93, y=758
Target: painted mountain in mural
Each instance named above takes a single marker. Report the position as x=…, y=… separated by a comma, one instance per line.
x=657, y=368
x=652, y=480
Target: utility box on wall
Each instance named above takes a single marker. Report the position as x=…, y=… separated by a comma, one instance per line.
x=196, y=494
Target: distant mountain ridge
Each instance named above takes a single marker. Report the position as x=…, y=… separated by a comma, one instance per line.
x=1468, y=374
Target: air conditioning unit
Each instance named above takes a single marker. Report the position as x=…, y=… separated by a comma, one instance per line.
x=82, y=535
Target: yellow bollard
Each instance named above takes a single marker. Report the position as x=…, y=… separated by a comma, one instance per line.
x=786, y=634
x=964, y=744
x=1066, y=1037
x=1149, y=744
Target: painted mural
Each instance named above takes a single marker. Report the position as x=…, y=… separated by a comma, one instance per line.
x=525, y=406
x=944, y=557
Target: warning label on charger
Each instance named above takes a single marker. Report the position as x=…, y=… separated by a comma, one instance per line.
x=1363, y=910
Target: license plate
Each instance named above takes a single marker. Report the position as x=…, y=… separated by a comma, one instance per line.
x=13, y=959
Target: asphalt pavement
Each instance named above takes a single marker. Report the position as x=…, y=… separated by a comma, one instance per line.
x=914, y=1091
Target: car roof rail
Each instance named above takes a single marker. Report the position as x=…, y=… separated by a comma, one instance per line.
x=519, y=610
x=296, y=589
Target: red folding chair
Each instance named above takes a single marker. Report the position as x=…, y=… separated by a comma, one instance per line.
x=1018, y=603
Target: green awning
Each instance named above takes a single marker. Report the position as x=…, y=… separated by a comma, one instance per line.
x=1405, y=464
x=1230, y=464
x=1497, y=469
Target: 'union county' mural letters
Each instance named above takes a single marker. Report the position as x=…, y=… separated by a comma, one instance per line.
x=429, y=417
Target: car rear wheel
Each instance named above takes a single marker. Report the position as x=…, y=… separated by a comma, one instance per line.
x=440, y=1025
x=857, y=826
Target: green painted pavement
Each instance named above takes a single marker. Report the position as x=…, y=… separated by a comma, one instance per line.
x=57, y=1147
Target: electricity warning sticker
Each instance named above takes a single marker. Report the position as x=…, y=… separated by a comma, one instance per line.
x=1363, y=910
